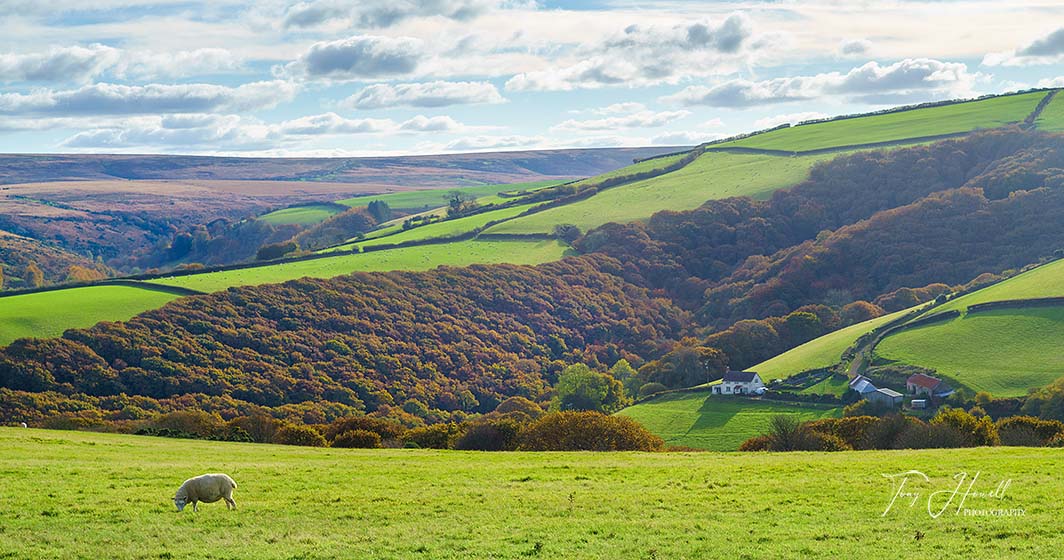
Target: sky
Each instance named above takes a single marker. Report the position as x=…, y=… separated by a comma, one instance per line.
x=390, y=77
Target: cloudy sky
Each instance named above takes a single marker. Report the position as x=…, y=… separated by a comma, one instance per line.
x=367, y=77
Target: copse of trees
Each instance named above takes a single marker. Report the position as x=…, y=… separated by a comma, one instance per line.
x=580, y=388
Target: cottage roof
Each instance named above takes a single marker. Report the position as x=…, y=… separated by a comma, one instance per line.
x=739, y=376
x=862, y=384
x=926, y=381
x=889, y=392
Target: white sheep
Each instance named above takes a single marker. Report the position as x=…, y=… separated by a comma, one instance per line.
x=206, y=488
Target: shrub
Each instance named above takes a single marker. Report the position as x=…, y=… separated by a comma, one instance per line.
x=756, y=443
x=929, y=436
x=520, y=406
x=1028, y=431
x=490, y=435
x=384, y=428
x=196, y=423
x=361, y=439
x=588, y=431
x=886, y=431
x=260, y=427
x=299, y=435
x=436, y=436
x=651, y=389
x=974, y=431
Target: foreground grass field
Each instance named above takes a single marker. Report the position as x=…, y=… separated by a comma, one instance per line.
x=932, y=121
x=425, y=257
x=301, y=215
x=702, y=421
x=48, y=314
x=68, y=495
x=713, y=175
x=819, y=353
x=1005, y=352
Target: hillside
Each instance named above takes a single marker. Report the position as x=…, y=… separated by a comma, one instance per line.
x=18, y=256
x=572, y=505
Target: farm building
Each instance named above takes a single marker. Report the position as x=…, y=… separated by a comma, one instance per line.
x=740, y=383
x=886, y=397
x=920, y=384
x=862, y=385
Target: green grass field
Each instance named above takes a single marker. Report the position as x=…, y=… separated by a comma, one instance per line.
x=301, y=215
x=714, y=175
x=700, y=420
x=819, y=353
x=434, y=198
x=1052, y=117
x=832, y=385
x=932, y=121
x=425, y=257
x=48, y=314
x=641, y=167
x=1004, y=351
x=69, y=495
x=446, y=228
x=1045, y=281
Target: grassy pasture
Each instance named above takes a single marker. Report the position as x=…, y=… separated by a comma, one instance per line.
x=699, y=420
x=821, y=352
x=446, y=228
x=425, y=257
x=1044, y=281
x=931, y=121
x=48, y=314
x=713, y=175
x=301, y=215
x=1052, y=117
x=434, y=198
x=68, y=495
x=1003, y=351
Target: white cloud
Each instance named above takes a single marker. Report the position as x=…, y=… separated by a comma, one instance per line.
x=73, y=64
x=237, y=133
x=422, y=123
x=478, y=143
x=358, y=58
x=642, y=119
x=792, y=118
x=114, y=99
x=620, y=108
x=687, y=138
x=869, y=83
x=1051, y=82
x=380, y=13
x=82, y=64
x=854, y=47
x=644, y=55
x=429, y=94
x=1047, y=49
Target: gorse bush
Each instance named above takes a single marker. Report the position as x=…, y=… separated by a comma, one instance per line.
x=361, y=439
x=299, y=435
x=588, y=431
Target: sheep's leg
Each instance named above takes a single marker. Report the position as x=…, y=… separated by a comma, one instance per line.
x=230, y=503
x=195, y=506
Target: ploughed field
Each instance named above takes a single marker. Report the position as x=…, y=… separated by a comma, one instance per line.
x=81, y=495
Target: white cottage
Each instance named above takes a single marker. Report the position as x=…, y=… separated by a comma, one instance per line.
x=740, y=383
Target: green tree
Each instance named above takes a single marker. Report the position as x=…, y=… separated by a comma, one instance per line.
x=580, y=388
x=380, y=211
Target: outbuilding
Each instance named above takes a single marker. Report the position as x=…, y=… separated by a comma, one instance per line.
x=886, y=397
x=920, y=384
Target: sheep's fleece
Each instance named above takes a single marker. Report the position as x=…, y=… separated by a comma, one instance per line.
x=205, y=488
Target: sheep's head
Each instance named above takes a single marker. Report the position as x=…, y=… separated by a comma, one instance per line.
x=180, y=503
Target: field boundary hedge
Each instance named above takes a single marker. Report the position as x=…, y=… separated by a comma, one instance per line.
x=1016, y=304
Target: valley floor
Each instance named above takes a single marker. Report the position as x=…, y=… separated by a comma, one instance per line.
x=81, y=495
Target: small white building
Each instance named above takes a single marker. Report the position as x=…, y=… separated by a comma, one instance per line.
x=740, y=383
x=885, y=397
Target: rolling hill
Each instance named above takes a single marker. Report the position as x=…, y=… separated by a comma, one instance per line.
x=1002, y=351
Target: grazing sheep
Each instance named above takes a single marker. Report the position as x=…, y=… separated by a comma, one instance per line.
x=23, y=424
x=206, y=488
